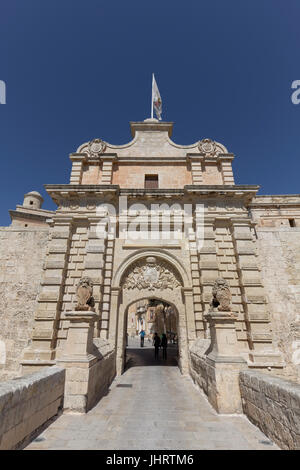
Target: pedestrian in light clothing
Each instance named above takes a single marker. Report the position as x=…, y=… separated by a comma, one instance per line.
x=164, y=345
x=156, y=343
x=142, y=335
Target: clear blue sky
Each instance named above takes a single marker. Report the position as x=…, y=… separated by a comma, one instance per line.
x=80, y=69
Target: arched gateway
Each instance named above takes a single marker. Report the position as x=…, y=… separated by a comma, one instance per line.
x=159, y=276
x=204, y=230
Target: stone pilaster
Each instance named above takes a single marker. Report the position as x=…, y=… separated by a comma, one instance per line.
x=226, y=169
x=224, y=363
x=196, y=168
x=254, y=299
x=94, y=262
x=192, y=296
x=190, y=318
x=107, y=286
x=42, y=350
x=107, y=168
x=228, y=271
x=209, y=269
x=113, y=324
x=78, y=360
x=77, y=160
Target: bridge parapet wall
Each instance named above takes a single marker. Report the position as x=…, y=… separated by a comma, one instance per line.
x=28, y=403
x=272, y=404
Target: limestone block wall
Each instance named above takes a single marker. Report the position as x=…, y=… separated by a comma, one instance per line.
x=273, y=405
x=279, y=257
x=102, y=373
x=170, y=175
x=28, y=403
x=22, y=252
x=201, y=374
x=87, y=381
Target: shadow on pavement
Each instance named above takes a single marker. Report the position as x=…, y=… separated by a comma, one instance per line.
x=137, y=356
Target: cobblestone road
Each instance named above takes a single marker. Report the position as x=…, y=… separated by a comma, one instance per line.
x=152, y=406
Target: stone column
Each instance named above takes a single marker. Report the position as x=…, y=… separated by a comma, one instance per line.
x=78, y=359
x=224, y=363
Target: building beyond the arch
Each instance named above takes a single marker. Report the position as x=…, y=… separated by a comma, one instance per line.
x=251, y=241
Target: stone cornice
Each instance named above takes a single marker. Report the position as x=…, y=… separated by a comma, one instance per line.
x=85, y=190
x=81, y=188
x=30, y=210
x=68, y=191
x=147, y=159
x=276, y=201
x=220, y=157
x=29, y=215
x=78, y=157
x=151, y=125
x=222, y=189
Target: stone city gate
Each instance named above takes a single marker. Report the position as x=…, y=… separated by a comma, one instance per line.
x=250, y=241
x=157, y=275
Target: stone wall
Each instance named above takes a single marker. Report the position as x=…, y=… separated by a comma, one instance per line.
x=272, y=404
x=279, y=257
x=22, y=253
x=88, y=381
x=28, y=403
x=199, y=369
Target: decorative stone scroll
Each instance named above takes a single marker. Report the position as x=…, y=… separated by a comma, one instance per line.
x=96, y=147
x=149, y=274
x=221, y=295
x=208, y=147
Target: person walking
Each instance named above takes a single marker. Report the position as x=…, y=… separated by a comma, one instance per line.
x=142, y=335
x=156, y=343
x=164, y=344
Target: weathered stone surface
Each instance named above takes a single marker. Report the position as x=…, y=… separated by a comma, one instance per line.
x=273, y=405
x=279, y=257
x=27, y=403
x=21, y=258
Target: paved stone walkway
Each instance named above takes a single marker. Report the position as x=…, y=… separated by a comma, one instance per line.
x=152, y=406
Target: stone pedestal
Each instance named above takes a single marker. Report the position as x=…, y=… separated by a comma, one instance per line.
x=78, y=359
x=224, y=363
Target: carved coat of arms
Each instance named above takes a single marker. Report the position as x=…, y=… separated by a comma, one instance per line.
x=151, y=275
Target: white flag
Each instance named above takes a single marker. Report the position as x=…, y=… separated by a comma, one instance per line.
x=156, y=99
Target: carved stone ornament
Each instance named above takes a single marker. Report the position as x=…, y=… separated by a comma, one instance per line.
x=96, y=147
x=207, y=146
x=150, y=275
x=84, y=294
x=221, y=295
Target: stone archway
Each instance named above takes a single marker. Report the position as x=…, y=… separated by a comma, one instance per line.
x=151, y=275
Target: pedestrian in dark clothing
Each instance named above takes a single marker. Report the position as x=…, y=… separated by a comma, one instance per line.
x=156, y=343
x=164, y=344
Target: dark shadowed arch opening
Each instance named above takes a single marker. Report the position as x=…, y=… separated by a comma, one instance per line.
x=144, y=318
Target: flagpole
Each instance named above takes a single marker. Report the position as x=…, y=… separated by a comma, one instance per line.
x=152, y=98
